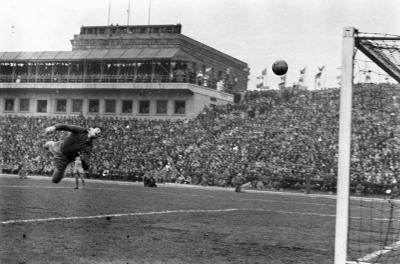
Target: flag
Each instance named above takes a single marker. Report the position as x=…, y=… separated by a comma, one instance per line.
x=264, y=72
x=339, y=76
x=282, y=84
x=318, y=77
x=339, y=79
x=319, y=74
x=302, y=76
x=367, y=75
x=262, y=78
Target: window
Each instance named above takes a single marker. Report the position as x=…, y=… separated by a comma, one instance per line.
x=180, y=107
x=110, y=106
x=94, y=106
x=24, y=105
x=144, y=107
x=9, y=105
x=77, y=105
x=126, y=107
x=41, y=106
x=61, y=105
x=162, y=107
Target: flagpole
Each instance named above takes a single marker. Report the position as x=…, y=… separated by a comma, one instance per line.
x=109, y=11
x=305, y=78
x=315, y=83
x=148, y=18
x=265, y=78
x=318, y=77
x=302, y=79
x=265, y=81
x=129, y=12
x=315, y=80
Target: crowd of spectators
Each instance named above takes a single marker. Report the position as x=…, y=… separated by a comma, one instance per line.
x=128, y=72
x=275, y=139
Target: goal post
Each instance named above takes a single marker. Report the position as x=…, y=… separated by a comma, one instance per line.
x=367, y=228
x=343, y=178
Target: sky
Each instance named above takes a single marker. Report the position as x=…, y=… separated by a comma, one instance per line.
x=304, y=33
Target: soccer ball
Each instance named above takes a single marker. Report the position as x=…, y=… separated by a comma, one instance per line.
x=280, y=67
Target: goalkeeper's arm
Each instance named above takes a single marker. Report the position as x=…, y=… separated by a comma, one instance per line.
x=70, y=128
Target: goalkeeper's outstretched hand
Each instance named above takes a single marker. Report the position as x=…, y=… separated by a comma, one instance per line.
x=50, y=129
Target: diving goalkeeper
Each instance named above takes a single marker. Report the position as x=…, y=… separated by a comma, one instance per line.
x=77, y=143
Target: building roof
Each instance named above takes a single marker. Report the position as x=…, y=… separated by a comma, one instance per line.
x=98, y=54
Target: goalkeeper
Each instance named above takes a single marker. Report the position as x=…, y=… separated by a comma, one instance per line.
x=77, y=143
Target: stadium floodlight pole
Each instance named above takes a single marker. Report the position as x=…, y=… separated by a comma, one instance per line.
x=343, y=177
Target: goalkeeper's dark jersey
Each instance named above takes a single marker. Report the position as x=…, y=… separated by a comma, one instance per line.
x=76, y=142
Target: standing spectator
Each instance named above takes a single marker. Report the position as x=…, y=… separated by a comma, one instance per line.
x=78, y=172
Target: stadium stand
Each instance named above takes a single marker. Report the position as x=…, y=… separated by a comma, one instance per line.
x=275, y=139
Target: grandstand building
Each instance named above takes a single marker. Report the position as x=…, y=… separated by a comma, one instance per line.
x=150, y=71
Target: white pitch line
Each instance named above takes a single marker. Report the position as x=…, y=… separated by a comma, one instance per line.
x=63, y=187
x=358, y=262
x=380, y=252
x=33, y=187
x=50, y=219
x=38, y=220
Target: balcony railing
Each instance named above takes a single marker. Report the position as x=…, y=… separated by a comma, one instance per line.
x=96, y=78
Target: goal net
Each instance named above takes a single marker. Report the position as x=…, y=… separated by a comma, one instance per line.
x=368, y=205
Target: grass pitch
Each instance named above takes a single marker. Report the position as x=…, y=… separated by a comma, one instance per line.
x=111, y=222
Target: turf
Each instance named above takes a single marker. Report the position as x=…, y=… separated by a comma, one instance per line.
x=128, y=223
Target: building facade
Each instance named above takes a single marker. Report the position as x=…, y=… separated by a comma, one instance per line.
x=124, y=71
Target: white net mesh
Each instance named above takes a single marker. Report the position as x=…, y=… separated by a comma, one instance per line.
x=374, y=223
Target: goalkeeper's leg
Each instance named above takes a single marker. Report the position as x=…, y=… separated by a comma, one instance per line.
x=85, y=159
x=60, y=164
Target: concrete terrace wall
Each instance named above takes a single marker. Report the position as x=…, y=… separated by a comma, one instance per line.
x=195, y=97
